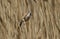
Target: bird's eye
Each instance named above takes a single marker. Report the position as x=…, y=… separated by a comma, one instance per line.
x=26, y=18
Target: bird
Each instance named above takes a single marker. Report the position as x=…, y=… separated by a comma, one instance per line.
x=25, y=18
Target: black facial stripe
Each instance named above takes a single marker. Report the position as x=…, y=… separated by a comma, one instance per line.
x=26, y=18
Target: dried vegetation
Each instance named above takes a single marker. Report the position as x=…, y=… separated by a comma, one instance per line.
x=43, y=24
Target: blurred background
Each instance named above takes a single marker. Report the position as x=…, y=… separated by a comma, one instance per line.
x=44, y=22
